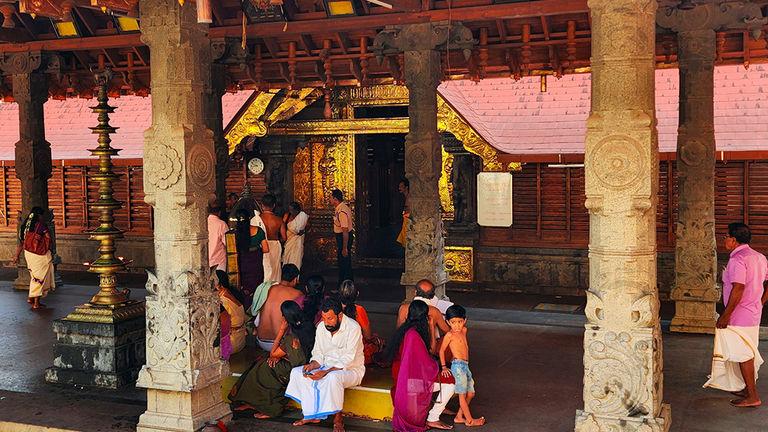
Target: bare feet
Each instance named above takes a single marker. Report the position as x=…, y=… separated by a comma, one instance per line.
x=459, y=419
x=746, y=403
x=303, y=422
x=261, y=416
x=439, y=425
x=476, y=422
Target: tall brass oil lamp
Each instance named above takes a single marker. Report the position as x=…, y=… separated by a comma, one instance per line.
x=109, y=304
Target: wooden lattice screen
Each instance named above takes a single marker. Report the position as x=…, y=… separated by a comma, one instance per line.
x=549, y=205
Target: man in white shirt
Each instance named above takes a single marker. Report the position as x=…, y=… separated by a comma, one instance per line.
x=217, y=246
x=337, y=363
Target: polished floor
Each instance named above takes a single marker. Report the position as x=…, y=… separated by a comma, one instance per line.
x=529, y=376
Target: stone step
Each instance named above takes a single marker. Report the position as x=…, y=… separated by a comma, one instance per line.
x=370, y=400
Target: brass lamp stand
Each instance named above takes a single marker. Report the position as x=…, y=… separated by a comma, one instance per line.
x=109, y=304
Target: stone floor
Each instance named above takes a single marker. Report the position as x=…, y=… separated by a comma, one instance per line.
x=527, y=366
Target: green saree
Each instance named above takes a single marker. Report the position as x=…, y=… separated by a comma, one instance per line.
x=263, y=387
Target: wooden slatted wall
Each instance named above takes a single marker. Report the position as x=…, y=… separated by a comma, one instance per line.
x=549, y=205
x=69, y=193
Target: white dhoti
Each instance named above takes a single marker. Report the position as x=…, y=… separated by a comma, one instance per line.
x=733, y=345
x=320, y=399
x=40, y=273
x=272, y=267
x=446, y=393
x=294, y=245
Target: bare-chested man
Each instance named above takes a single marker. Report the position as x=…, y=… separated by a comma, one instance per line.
x=270, y=316
x=425, y=291
x=276, y=231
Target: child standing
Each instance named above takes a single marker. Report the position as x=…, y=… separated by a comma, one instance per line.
x=456, y=341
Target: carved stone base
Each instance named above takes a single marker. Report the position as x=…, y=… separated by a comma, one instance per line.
x=588, y=422
x=694, y=316
x=98, y=354
x=21, y=282
x=183, y=411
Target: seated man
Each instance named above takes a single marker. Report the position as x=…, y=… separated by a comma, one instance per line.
x=234, y=310
x=269, y=315
x=425, y=291
x=337, y=363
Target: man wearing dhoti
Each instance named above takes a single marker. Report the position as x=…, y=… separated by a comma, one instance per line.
x=296, y=224
x=337, y=363
x=736, y=359
x=275, y=229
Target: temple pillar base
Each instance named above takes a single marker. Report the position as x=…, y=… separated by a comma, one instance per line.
x=590, y=422
x=104, y=348
x=694, y=316
x=183, y=411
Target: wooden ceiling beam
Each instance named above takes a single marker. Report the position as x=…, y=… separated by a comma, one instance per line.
x=218, y=13
x=501, y=27
x=343, y=40
x=28, y=24
x=76, y=44
x=356, y=23
x=14, y=35
x=274, y=50
x=545, y=27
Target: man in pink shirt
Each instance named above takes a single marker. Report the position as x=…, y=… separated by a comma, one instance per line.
x=217, y=246
x=736, y=357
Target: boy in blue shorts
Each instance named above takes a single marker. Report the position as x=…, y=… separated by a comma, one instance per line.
x=456, y=341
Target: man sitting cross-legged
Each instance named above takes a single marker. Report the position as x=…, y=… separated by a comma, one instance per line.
x=337, y=363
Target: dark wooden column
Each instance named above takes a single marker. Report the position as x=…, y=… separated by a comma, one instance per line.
x=32, y=151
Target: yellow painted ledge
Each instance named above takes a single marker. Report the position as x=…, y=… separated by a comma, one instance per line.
x=21, y=427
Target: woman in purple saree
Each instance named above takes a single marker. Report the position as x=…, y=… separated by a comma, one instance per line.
x=414, y=371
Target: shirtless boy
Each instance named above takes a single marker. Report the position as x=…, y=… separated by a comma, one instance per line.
x=276, y=231
x=456, y=341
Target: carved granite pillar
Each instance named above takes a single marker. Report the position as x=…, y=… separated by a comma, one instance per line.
x=33, y=152
x=623, y=382
x=421, y=45
x=695, y=291
x=184, y=371
x=214, y=118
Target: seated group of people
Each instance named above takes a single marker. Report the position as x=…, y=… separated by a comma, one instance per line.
x=301, y=349
x=319, y=344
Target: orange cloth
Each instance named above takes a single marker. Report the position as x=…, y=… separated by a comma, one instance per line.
x=362, y=317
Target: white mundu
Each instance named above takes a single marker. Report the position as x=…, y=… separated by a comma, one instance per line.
x=271, y=261
x=344, y=350
x=293, y=253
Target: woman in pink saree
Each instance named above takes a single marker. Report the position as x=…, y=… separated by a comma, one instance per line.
x=414, y=371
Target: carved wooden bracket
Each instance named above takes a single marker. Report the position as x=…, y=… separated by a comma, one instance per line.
x=421, y=37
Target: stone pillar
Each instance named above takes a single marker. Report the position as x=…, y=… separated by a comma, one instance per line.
x=421, y=45
x=695, y=291
x=214, y=118
x=623, y=381
x=279, y=153
x=184, y=371
x=33, y=152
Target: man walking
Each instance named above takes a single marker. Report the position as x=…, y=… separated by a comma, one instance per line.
x=344, y=231
x=736, y=357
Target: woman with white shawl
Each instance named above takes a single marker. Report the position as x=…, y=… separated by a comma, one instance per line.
x=296, y=221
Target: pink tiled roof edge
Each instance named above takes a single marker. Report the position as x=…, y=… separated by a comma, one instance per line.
x=67, y=123
x=517, y=118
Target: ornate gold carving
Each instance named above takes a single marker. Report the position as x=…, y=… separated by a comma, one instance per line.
x=345, y=126
x=449, y=120
x=294, y=101
x=375, y=95
x=515, y=167
x=107, y=314
x=250, y=123
x=459, y=263
x=446, y=188
x=302, y=177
